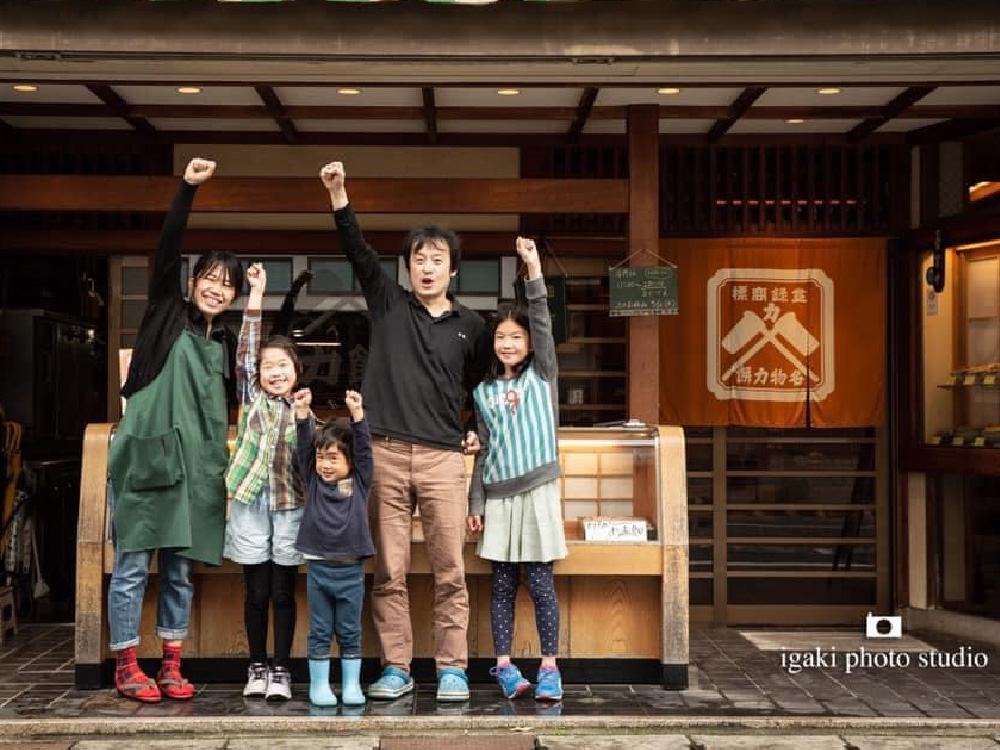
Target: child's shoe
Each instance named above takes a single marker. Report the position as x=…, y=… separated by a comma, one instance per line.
x=350, y=677
x=169, y=679
x=510, y=679
x=549, y=686
x=394, y=683
x=279, y=684
x=256, y=686
x=453, y=685
x=131, y=681
x=319, y=683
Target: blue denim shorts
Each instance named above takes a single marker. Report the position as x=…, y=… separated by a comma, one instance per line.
x=256, y=534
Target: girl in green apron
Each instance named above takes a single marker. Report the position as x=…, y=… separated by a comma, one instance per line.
x=168, y=458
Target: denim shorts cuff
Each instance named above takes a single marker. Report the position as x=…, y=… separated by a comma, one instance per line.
x=124, y=644
x=320, y=657
x=351, y=656
x=167, y=634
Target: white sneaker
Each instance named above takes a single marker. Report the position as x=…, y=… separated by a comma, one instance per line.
x=279, y=684
x=256, y=686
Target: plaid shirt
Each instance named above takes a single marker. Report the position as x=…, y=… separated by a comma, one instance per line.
x=265, y=440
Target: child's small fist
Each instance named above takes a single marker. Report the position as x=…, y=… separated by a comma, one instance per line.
x=257, y=277
x=302, y=398
x=354, y=401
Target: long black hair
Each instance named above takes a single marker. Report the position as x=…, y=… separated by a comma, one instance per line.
x=519, y=315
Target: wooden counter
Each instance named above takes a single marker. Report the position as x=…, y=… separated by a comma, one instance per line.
x=624, y=606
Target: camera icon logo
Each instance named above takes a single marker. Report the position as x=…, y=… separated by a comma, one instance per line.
x=883, y=626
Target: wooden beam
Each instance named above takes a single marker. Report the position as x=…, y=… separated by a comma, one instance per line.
x=893, y=109
x=7, y=128
x=120, y=108
x=302, y=195
x=583, y=110
x=984, y=191
x=430, y=114
x=950, y=130
x=106, y=242
x=736, y=110
x=275, y=109
x=644, y=235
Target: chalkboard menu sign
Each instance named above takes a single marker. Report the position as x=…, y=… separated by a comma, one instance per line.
x=643, y=290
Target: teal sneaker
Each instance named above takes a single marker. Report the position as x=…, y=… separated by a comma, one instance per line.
x=510, y=679
x=453, y=685
x=549, y=686
x=394, y=683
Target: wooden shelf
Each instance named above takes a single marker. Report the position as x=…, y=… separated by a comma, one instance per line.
x=591, y=407
x=568, y=374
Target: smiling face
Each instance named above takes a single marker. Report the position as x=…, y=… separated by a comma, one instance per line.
x=430, y=270
x=331, y=464
x=277, y=371
x=213, y=292
x=511, y=344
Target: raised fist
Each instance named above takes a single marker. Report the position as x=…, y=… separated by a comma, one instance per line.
x=333, y=176
x=528, y=253
x=302, y=399
x=257, y=278
x=354, y=405
x=198, y=171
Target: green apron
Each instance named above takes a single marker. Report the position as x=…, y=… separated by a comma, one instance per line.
x=168, y=458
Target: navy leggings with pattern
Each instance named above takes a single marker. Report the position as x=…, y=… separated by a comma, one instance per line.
x=542, y=587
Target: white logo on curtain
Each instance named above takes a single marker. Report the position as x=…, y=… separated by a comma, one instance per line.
x=770, y=334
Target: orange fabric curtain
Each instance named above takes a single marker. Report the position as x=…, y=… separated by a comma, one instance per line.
x=775, y=333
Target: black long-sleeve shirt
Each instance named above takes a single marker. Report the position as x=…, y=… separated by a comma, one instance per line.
x=419, y=368
x=168, y=313
x=335, y=521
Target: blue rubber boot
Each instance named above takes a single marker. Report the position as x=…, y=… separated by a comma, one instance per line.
x=319, y=683
x=350, y=676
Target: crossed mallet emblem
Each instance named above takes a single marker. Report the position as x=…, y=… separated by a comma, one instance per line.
x=751, y=326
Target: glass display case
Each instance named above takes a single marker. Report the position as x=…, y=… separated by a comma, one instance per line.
x=961, y=349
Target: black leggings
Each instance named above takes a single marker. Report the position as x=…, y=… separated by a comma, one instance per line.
x=542, y=588
x=266, y=583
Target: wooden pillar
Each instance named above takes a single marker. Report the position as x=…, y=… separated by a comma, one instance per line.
x=644, y=234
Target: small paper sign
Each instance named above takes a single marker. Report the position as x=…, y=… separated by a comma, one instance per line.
x=979, y=442
x=969, y=380
x=597, y=529
x=989, y=380
x=935, y=440
x=958, y=441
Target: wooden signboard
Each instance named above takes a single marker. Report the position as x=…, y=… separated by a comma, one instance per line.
x=643, y=290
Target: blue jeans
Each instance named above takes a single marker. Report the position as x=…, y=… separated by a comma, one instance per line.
x=128, y=587
x=335, y=592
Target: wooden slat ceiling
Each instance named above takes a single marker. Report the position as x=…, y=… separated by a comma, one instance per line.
x=293, y=112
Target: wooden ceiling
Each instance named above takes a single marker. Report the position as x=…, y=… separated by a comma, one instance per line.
x=296, y=112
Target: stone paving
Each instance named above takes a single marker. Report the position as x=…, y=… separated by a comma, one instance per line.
x=730, y=677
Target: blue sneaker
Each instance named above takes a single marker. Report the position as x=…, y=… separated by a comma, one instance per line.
x=394, y=683
x=549, y=684
x=510, y=679
x=453, y=685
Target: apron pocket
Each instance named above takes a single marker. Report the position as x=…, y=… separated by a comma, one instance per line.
x=154, y=462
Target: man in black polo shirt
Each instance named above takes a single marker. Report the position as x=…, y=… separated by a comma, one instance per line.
x=426, y=352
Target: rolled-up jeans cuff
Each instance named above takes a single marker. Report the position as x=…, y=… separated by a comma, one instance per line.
x=350, y=656
x=167, y=634
x=319, y=657
x=124, y=645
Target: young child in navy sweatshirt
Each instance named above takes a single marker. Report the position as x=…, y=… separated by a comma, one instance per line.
x=335, y=461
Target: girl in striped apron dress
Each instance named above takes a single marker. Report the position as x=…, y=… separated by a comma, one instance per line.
x=514, y=495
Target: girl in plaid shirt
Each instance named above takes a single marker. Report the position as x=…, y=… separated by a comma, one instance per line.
x=266, y=494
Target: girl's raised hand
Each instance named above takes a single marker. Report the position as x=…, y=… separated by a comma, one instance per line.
x=528, y=253
x=257, y=278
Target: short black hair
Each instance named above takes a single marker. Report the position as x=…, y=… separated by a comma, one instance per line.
x=519, y=314
x=229, y=263
x=432, y=234
x=336, y=434
x=286, y=345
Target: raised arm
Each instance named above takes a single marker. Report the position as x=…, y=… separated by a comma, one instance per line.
x=379, y=289
x=364, y=464
x=248, y=348
x=538, y=311
x=166, y=279
x=305, y=426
